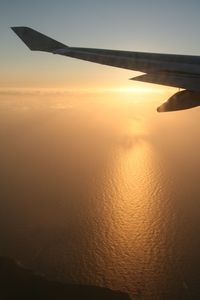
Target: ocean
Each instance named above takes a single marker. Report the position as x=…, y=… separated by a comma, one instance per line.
x=102, y=190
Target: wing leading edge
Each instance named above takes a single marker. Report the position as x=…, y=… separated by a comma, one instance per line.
x=180, y=71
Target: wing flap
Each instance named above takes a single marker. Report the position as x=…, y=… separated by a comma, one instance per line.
x=175, y=79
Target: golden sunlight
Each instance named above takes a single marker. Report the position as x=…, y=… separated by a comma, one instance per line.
x=135, y=89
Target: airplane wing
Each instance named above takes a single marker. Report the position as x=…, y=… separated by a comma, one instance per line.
x=181, y=71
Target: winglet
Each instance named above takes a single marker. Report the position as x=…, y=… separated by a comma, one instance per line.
x=36, y=40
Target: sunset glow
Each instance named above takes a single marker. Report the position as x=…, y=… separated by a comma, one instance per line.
x=99, y=180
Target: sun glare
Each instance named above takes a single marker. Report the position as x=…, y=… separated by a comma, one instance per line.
x=135, y=89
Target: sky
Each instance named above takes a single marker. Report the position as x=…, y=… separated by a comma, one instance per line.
x=149, y=26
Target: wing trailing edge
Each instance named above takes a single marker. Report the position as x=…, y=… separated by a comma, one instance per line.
x=175, y=79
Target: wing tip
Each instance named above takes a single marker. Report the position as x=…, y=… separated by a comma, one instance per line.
x=19, y=28
x=36, y=40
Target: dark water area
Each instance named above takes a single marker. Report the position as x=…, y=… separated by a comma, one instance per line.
x=102, y=191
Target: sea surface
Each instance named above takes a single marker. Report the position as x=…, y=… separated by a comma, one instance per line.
x=102, y=190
